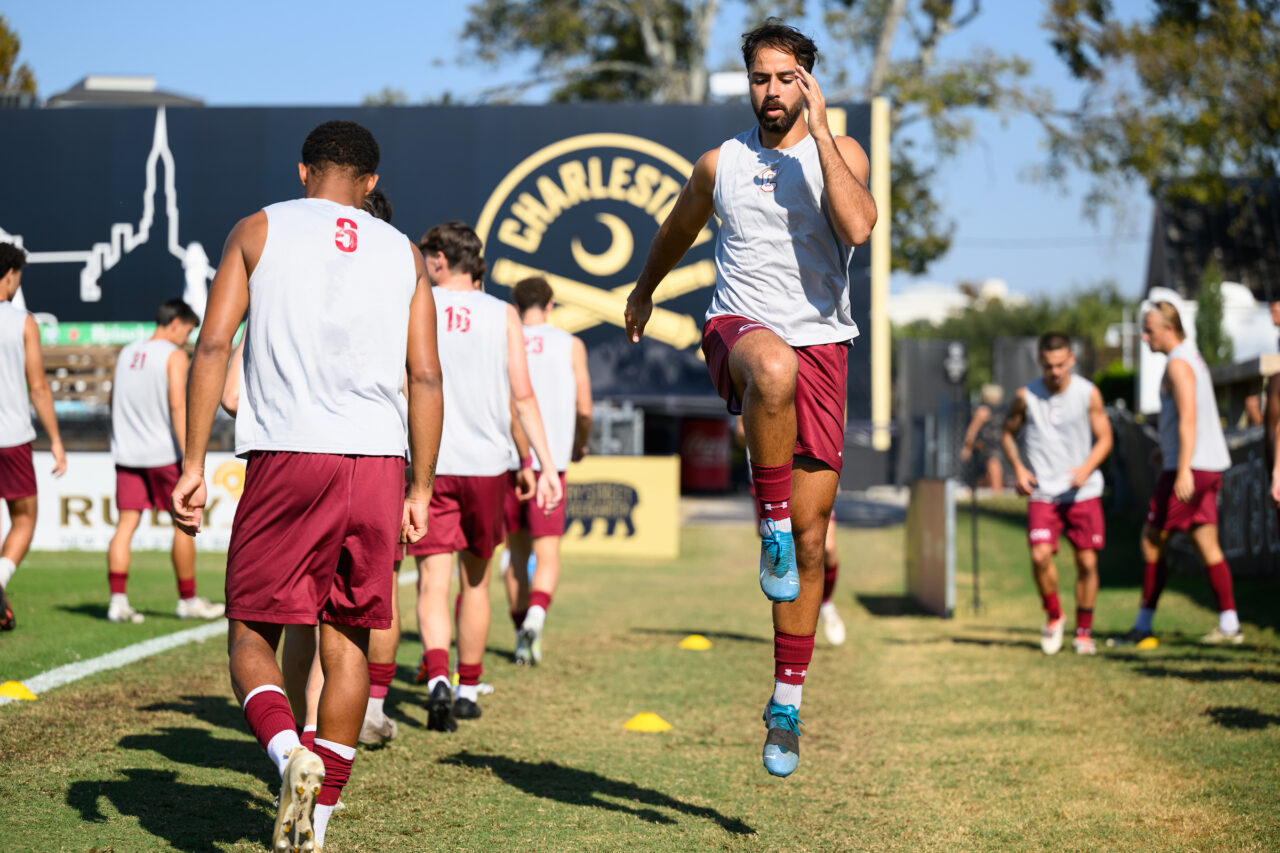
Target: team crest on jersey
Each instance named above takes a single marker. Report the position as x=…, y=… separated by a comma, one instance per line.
x=582, y=212
x=768, y=180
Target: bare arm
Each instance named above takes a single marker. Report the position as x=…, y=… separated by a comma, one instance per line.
x=688, y=217
x=844, y=169
x=1273, y=432
x=177, y=366
x=980, y=416
x=1013, y=423
x=1182, y=383
x=1100, y=424
x=526, y=406
x=228, y=301
x=582, y=384
x=526, y=482
x=424, y=383
x=41, y=396
x=231, y=388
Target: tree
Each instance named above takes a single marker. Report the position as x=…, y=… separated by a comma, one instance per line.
x=13, y=77
x=1211, y=339
x=387, y=96
x=1183, y=100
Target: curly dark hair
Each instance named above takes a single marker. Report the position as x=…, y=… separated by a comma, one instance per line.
x=343, y=144
x=460, y=245
x=377, y=204
x=11, y=258
x=777, y=35
x=532, y=292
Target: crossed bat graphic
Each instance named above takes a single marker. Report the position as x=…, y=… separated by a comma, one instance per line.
x=582, y=306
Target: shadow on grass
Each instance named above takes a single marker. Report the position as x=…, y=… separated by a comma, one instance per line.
x=1235, y=717
x=194, y=818
x=710, y=635
x=95, y=610
x=891, y=605
x=584, y=788
x=991, y=643
x=200, y=747
x=1209, y=674
x=214, y=710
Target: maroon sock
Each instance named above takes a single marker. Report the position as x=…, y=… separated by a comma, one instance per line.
x=187, y=588
x=773, y=491
x=1154, y=576
x=469, y=673
x=117, y=582
x=457, y=608
x=1052, y=606
x=791, y=657
x=829, y=580
x=337, y=770
x=380, y=675
x=268, y=714
x=1084, y=620
x=1220, y=580
x=308, y=738
x=437, y=663
x=538, y=598
x=517, y=617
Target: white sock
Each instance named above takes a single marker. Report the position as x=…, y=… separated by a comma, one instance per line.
x=1143, y=622
x=469, y=691
x=439, y=679
x=536, y=618
x=1228, y=622
x=374, y=708
x=7, y=568
x=347, y=752
x=782, y=525
x=119, y=599
x=320, y=822
x=787, y=694
x=279, y=746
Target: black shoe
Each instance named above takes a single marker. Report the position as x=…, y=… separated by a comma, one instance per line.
x=465, y=709
x=7, y=621
x=440, y=709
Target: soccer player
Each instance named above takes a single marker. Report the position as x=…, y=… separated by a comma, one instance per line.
x=1065, y=436
x=148, y=430
x=22, y=380
x=792, y=203
x=1194, y=456
x=341, y=315
x=482, y=352
x=562, y=386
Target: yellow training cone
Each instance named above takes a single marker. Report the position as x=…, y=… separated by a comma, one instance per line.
x=18, y=690
x=647, y=722
x=695, y=643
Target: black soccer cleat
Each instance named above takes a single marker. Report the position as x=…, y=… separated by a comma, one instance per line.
x=465, y=709
x=440, y=709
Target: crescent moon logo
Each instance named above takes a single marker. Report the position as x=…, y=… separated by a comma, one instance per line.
x=613, y=259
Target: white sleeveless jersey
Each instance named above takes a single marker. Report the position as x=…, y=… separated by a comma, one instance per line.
x=1210, y=453
x=471, y=332
x=327, y=333
x=15, y=400
x=778, y=259
x=1057, y=437
x=550, y=353
x=141, y=422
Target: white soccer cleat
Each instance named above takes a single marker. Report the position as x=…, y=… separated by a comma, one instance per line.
x=1219, y=637
x=303, y=776
x=832, y=624
x=117, y=612
x=199, y=608
x=1051, y=636
x=1084, y=645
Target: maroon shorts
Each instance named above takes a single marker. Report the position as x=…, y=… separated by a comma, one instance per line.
x=146, y=488
x=465, y=514
x=313, y=538
x=1169, y=513
x=1081, y=520
x=820, y=386
x=525, y=515
x=17, y=473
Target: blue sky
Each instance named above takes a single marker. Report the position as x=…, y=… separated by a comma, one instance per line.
x=233, y=53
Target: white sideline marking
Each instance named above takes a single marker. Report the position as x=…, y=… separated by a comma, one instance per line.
x=46, y=681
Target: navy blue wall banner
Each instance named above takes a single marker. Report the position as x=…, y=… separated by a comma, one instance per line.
x=123, y=208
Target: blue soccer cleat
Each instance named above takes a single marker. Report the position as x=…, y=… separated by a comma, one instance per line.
x=782, y=743
x=778, y=576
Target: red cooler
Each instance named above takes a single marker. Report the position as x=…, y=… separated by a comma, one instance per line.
x=704, y=455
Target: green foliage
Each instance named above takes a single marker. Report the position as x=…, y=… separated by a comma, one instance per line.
x=388, y=96
x=1116, y=382
x=1211, y=339
x=1084, y=315
x=13, y=77
x=1181, y=99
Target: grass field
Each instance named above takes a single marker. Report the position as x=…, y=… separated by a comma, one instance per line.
x=921, y=734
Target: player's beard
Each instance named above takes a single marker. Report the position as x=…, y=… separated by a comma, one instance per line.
x=782, y=123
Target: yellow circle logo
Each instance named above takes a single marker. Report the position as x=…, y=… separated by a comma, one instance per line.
x=230, y=476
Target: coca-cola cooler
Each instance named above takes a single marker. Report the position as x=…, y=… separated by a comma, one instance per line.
x=704, y=455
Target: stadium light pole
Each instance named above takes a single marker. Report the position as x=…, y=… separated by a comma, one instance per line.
x=881, y=373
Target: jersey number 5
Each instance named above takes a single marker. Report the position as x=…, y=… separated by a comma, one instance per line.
x=345, y=239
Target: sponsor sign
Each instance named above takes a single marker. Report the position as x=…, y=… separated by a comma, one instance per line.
x=623, y=505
